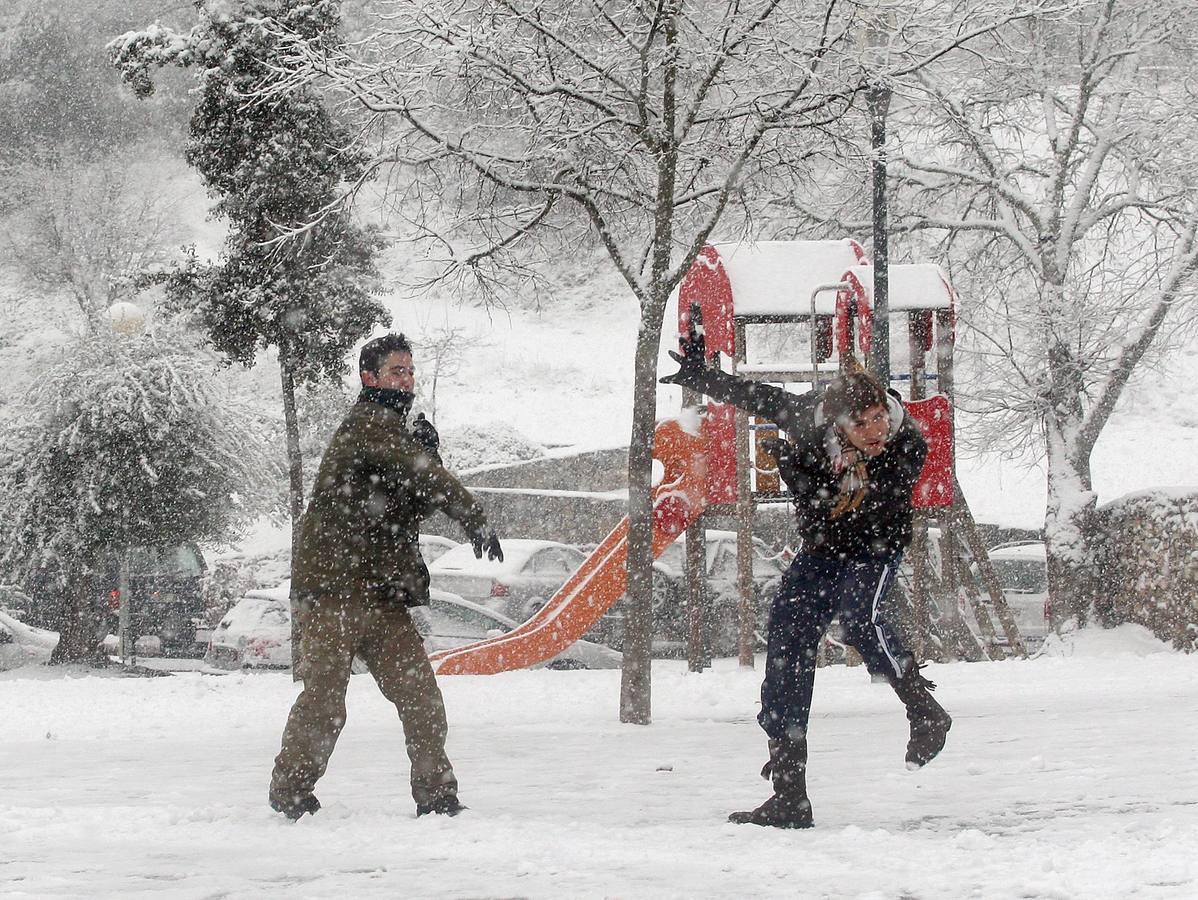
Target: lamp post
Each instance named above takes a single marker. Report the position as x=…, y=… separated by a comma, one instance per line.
x=877, y=97
x=128, y=321
x=877, y=30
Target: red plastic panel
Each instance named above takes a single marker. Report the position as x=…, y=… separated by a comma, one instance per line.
x=852, y=315
x=706, y=283
x=935, y=486
x=719, y=432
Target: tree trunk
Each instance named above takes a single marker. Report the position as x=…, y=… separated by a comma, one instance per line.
x=1068, y=524
x=295, y=462
x=635, y=678
x=78, y=624
x=295, y=468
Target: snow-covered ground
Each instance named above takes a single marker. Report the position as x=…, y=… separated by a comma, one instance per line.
x=1072, y=776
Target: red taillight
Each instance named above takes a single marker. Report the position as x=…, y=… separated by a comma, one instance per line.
x=114, y=600
x=498, y=589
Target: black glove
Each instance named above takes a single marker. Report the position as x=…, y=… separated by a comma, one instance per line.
x=692, y=360
x=425, y=434
x=487, y=543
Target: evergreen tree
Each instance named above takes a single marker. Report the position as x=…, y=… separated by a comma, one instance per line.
x=127, y=442
x=273, y=169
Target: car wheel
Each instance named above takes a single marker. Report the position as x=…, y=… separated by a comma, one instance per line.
x=566, y=665
x=669, y=622
x=531, y=608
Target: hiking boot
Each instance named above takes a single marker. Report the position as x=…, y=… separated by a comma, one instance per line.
x=442, y=806
x=789, y=806
x=929, y=721
x=777, y=812
x=295, y=806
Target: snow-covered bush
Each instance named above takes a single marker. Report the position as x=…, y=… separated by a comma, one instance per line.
x=1148, y=564
x=495, y=443
x=126, y=442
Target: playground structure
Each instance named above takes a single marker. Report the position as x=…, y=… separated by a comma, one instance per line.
x=827, y=287
x=717, y=466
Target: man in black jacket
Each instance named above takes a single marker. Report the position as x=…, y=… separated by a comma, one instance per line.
x=850, y=458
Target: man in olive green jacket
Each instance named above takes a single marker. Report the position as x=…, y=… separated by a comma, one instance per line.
x=356, y=570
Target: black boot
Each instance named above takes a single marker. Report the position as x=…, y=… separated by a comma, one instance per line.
x=442, y=806
x=294, y=806
x=929, y=722
x=789, y=806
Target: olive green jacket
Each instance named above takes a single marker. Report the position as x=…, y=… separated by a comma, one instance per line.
x=359, y=534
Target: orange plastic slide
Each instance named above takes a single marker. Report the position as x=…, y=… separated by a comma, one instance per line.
x=600, y=582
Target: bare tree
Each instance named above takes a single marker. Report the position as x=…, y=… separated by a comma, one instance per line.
x=1062, y=174
x=441, y=350
x=652, y=123
x=89, y=229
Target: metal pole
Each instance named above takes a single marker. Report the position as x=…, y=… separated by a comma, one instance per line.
x=747, y=607
x=125, y=647
x=878, y=98
x=820, y=289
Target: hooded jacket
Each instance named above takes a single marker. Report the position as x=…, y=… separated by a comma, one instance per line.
x=376, y=483
x=876, y=521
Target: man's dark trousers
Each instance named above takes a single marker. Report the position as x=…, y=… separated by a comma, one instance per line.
x=814, y=590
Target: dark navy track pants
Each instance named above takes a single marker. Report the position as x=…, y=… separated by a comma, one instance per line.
x=814, y=590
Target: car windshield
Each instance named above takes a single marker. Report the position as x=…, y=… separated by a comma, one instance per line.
x=182, y=561
x=451, y=620
x=1024, y=576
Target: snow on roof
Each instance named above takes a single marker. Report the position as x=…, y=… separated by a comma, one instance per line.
x=1023, y=550
x=910, y=286
x=777, y=277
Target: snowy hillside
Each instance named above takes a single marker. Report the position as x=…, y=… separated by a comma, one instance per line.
x=564, y=376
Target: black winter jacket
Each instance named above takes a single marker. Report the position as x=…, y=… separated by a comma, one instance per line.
x=882, y=522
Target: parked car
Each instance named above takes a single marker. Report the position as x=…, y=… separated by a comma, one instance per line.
x=256, y=632
x=1022, y=570
x=166, y=593
x=670, y=621
x=531, y=573
x=23, y=645
x=15, y=602
x=433, y=547
x=450, y=621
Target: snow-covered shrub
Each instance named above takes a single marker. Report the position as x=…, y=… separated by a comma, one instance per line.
x=125, y=443
x=495, y=443
x=1148, y=564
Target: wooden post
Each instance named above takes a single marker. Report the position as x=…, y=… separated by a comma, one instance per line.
x=698, y=647
x=918, y=554
x=980, y=613
x=954, y=627
x=917, y=356
x=945, y=647
x=746, y=608
x=977, y=547
x=694, y=570
x=944, y=354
